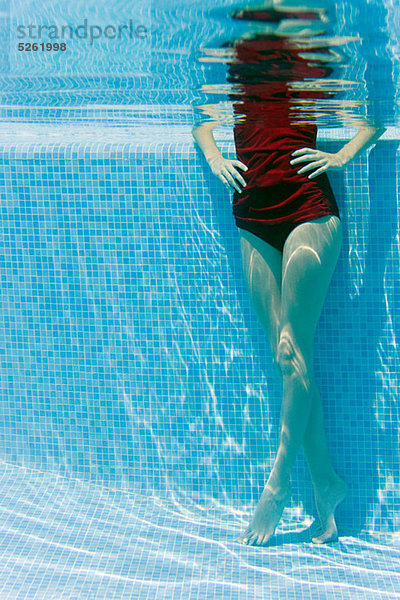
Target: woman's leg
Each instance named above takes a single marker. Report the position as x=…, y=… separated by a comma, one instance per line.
x=262, y=266
x=329, y=488
x=309, y=259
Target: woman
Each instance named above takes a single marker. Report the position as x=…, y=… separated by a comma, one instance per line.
x=290, y=239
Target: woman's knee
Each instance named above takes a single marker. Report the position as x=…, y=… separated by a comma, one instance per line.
x=285, y=355
x=292, y=360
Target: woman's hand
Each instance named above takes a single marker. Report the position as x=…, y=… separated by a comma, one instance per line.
x=321, y=161
x=224, y=169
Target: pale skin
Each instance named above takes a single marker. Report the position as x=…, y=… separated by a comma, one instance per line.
x=288, y=290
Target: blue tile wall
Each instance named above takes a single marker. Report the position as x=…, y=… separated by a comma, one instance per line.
x=130, y=354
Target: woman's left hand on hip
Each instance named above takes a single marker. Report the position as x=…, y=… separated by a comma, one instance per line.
x=321, y=161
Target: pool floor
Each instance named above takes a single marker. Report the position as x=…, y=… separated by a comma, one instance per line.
x=70, y=539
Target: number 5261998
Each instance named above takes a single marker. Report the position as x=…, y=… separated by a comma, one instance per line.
x=42, y=47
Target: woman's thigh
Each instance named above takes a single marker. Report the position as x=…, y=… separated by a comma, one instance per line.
x=262, y=265
x=309, y=259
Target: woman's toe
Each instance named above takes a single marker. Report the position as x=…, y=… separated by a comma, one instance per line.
x=260, y=540
x=317, y=532
x=242, y=538
x=265, y=539
x=316, y=540
x=324, y=538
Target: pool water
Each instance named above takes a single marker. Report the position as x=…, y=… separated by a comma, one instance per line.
x=139, y=400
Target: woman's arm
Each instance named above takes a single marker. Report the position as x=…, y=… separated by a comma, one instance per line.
x=322, y=161
x=223, y=168
x=364, y=138
x=205, y=139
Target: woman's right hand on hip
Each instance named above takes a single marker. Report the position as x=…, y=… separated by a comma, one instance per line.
x=224, y=169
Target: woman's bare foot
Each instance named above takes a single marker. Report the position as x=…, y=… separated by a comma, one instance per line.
x=266, y=517
x=327, y=499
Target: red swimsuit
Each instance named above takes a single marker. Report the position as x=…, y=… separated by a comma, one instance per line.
x=276, y=198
